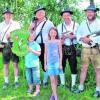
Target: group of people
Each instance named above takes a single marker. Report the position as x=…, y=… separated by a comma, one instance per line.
x=52, y=47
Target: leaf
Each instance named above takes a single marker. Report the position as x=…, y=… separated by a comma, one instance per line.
x=19, y=38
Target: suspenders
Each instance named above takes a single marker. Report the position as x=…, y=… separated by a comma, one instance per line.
x=40, y=33
x=66, y=29
x=5, y=32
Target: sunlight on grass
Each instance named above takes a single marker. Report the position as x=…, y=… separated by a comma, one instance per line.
x=63, y=93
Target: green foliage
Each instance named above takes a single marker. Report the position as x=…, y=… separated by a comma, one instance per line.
x=24, y=9
x=19, y=38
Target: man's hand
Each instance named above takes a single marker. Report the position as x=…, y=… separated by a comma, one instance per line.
x=86, y=40
x=68, y=35
x=71, y=36
x=1, y=46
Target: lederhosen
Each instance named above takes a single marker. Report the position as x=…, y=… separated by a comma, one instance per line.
x=6, y=50
x=69, y=52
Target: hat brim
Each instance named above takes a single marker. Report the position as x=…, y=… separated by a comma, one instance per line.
x=39, y=10
x=66, y=12
x=95, y=10
x=7, y=12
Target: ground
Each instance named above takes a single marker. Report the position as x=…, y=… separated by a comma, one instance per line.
x=11, y=93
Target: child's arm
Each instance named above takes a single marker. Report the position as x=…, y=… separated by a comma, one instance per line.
x=38, y=53
x=60, y=53
x=45, y=57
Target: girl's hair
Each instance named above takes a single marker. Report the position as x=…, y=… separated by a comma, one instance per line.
x=55, y=29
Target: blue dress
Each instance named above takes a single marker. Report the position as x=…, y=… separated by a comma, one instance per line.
x=52, y=58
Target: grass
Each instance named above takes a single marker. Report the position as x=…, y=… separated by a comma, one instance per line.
x=12, y=93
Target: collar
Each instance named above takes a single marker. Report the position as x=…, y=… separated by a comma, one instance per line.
x=68, y=24
x=8, y=22
x=91, y=21
x=42, y=20
x=31, y=42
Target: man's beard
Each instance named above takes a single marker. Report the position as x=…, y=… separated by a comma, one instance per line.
x=91, y=19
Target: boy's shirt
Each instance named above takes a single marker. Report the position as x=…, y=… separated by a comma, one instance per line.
x=31, y=59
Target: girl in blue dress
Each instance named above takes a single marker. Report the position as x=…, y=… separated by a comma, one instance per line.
x=53, y=59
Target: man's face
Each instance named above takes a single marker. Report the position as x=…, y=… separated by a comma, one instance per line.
x=90, y=14
x=7, y=16
x=66, y=16
x=40, y=14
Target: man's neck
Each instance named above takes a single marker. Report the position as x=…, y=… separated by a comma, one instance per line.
x=40, y=20
x=68, y=22
x=8, y=21
x=91, y=20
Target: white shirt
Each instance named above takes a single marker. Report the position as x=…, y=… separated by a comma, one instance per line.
x=67, y=28
x=84, y=31
x=7, y=28
x=45, y=30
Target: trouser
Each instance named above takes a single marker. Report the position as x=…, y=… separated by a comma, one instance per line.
x=1, y=49
x=69, y=52
x=8, y=54
x=41, y=57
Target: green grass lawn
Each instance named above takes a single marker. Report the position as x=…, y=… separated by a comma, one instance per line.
x=63, y=93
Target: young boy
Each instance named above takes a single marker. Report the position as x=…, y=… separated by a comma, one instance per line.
x=32, y=65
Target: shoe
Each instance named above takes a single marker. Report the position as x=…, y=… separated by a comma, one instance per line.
x=73, y=88
x=78, y=91
x=36, y=94
x=96, y=94
x=16, y=84
x=45, y=85
x=56, y=98
x=5, y=85
x=52, y=97
x=29, y=91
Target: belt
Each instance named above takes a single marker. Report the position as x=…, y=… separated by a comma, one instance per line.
x=68, y=45
x=95, y=46
x=5, y=43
